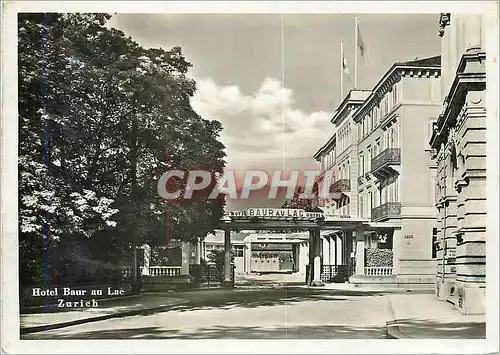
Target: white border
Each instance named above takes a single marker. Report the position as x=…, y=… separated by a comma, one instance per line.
x=10, y=313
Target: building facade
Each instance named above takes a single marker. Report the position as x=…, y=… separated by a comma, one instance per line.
x=459, y=144
x=385, y=157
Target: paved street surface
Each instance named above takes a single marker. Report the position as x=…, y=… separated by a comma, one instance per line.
x=253, y=312
x=422, y=316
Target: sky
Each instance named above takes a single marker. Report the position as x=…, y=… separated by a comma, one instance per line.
x=274, y=81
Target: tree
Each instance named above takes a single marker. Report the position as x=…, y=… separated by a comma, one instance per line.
x=297, y=202
x=98, y=115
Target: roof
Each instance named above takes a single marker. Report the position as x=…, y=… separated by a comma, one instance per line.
x=326, y=146
x=424, y=62
x=355, y=96
x=430, y=62
x=218, y=237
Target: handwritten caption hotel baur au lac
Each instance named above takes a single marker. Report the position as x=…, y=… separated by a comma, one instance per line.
x=67, y=296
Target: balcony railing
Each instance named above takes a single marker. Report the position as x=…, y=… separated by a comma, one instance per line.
x=386, y=211
x=389, y=156
x=165, y=270
x=341, y=186
x=378, y=271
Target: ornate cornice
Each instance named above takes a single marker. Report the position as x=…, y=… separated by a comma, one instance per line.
x=444, y=20
x=471, y=76
x=393, y=76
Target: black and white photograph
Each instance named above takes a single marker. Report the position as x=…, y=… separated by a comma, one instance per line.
x=250, y=171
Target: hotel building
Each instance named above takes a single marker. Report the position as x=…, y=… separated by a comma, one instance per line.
x=383, y=172
x=459, y=145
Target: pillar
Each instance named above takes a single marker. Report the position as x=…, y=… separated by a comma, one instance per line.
x=397, y=250
x=331, y=243
x=339, y=244
x=228, y=282
x=360, y=251
x=348, y=251
x=185, y=258
x=315, y=236
x=326, y=249
x=310, y=259
x=335, y=246
x=302, y=260
x=247, y=257
x=147, y=257
x=197, y=252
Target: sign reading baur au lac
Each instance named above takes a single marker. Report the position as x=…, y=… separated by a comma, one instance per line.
x=281, y=212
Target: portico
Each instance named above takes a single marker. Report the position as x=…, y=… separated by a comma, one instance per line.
x=317, y=224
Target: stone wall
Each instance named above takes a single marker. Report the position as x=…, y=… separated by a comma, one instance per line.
x=378, y=257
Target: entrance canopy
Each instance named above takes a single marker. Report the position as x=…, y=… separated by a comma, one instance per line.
x=293, y=219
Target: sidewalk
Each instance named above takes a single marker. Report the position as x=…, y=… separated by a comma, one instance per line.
x=422, y=316
x=113, y=308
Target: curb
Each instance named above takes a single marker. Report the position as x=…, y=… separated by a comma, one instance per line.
x=40, y=328
x=392, y=330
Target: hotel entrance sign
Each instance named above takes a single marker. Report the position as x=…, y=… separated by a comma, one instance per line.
x=281, y=212
x=271, y=213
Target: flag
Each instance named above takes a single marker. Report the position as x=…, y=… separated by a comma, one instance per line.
x=362, y=47
x=345, y=67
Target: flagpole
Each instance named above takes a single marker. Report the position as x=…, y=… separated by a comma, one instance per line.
x=356, y=52
x=341, y=70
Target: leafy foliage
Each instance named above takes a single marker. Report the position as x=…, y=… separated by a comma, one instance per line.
x=216, y=256
x=100, y=119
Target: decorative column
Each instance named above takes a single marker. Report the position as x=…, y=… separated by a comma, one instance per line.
x=326, y=249
x=302, y=260
x=247, y=257
x=147, y=256
x=316, y=258
x=397, y=250
x=348, y=240
x=227, y=282
x=472, y=22
x=197, y=252
x=360, y=251
x=332, y=244
x=185, y=258
x=339, y=245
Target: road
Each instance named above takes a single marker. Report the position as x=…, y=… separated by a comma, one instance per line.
x=271, y=312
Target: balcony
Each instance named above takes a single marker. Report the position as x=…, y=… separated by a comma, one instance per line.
x=340, y=186
x=386, y=211
x=386, y=163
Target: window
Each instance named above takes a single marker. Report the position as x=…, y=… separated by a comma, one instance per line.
x=394, y=95
x=369, y=160
x=430, y=128
x=396, y=190
x=435, y=243
x=238, y=251
x=361, y=164
x=377, y=147
x=369, y=204
x=361, y=207
x=396, y=135
x=386, y=105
